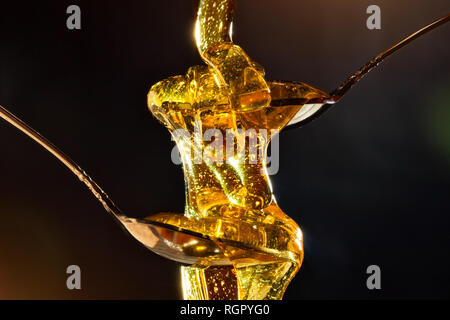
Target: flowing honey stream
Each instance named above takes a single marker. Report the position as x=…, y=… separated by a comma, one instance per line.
x=227, y=196
x=236, y=240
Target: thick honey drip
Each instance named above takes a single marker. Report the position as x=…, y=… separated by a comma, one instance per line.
x=216, y=283
x=223, y=106
x=243, y=78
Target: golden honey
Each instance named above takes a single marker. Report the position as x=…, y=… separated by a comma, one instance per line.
x=228, y=193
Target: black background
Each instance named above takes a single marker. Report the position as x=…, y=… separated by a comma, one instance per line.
x=368, y=183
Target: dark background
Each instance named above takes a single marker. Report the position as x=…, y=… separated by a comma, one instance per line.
x=368, y=183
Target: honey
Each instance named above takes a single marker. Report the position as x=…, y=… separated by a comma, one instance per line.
x=228, y=194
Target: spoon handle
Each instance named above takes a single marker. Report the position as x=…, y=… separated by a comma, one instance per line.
x=101, y=196
x=337, y=94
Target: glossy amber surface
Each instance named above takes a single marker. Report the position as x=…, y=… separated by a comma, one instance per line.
x=228, y=194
